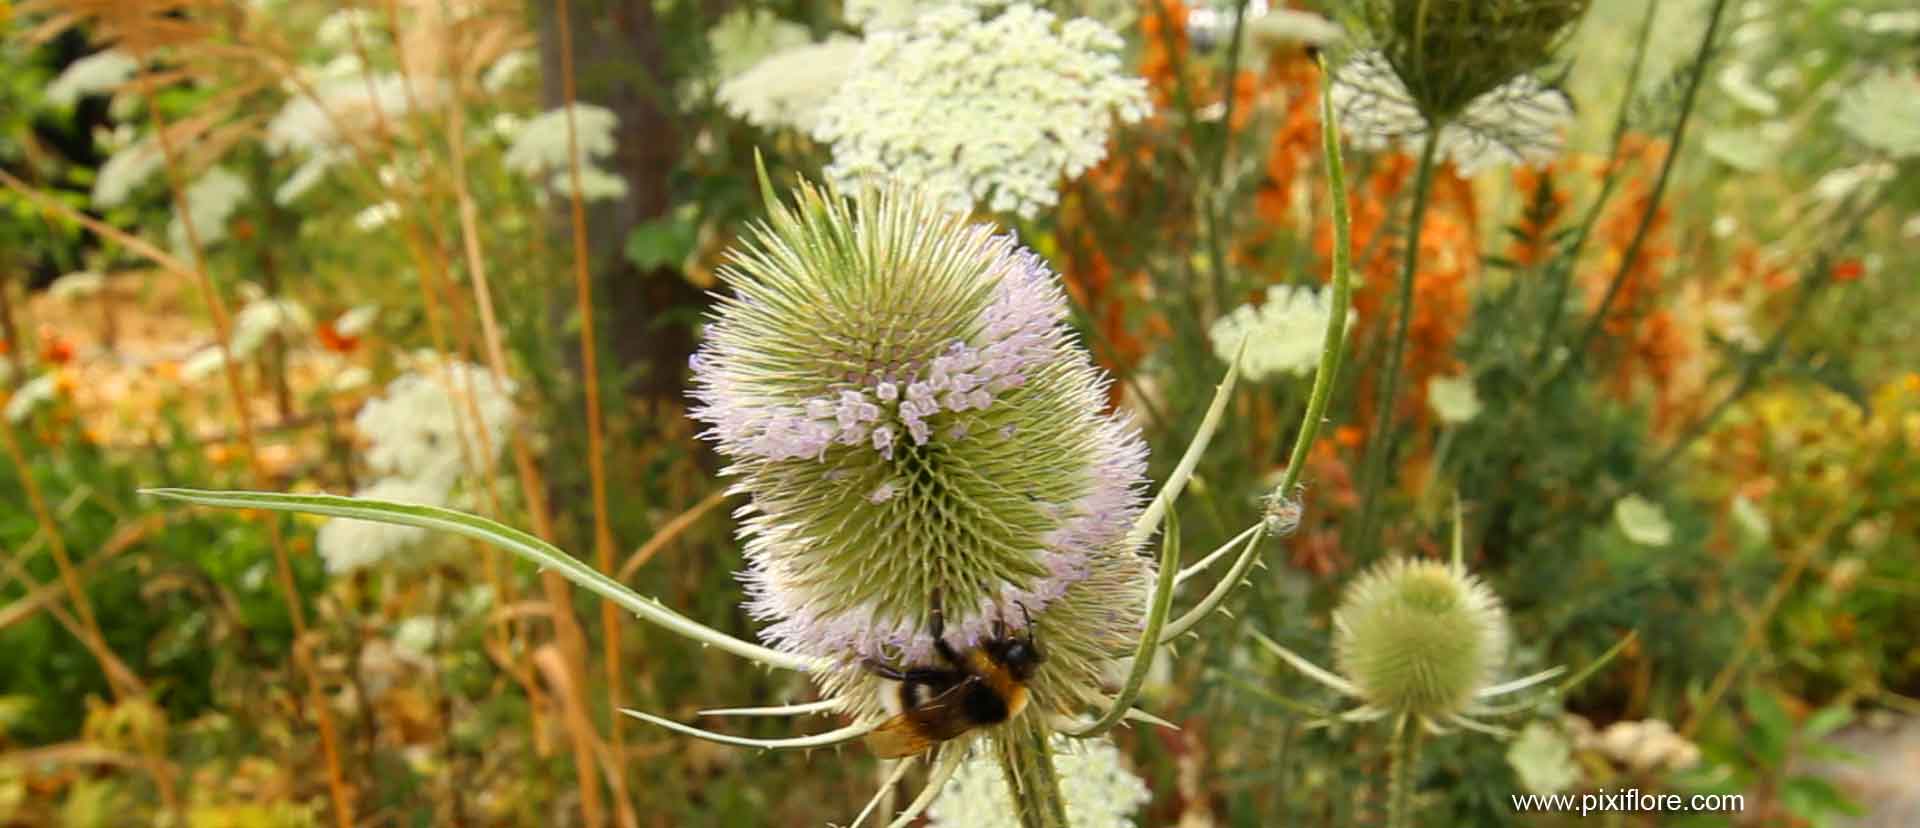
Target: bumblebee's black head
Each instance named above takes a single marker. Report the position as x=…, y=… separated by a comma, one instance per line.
x=1020, y=655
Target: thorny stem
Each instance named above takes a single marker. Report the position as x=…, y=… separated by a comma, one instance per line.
x=1025, y=751
x=1374, y=465
x=1333, y=347
x=1401, y=756
x=1641, y=231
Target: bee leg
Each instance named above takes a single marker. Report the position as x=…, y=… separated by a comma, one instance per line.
x=885, y=671
x=937, y=625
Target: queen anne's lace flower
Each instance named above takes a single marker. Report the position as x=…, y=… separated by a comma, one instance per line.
x=1643, y=521
x=540, y=150
x=1099, y=790
x=211, y=201
x=1282, y=335
x=94, y=74
x=989, y=112
x=788, y=88
x=346, y=545
x=898, y=392
x=1518, y=123
x=1883, y=112
x=415, y=430
x=32, y=394
x=1542, y=758
x=265, y=317
x=1453, y=399
x=880, y=15
x=124, y=172
x=312, y=123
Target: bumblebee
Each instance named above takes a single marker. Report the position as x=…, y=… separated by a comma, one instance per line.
x=983, y=686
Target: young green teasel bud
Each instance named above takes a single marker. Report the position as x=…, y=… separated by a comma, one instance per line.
x=930, y=466
x=1449, y=52
x=1419, y=637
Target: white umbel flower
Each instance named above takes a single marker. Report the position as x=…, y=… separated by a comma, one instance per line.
x=1519, y=122
x=539, y=151
x=881, y=15
x=1283, y=335
x=264, y=317
x=788, y=88
x=1099, y=790
x=76, y=286
x=1883, y=112
x=124, y=172
x=313, y=123
x=95, y=74
x=1453, y=399
x=36, y=392
x=347, y=545
x=1643, y=521
x=415, y=429
x=211, y=201
x=993, y=113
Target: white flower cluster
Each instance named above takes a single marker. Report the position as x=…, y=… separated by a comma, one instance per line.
x=95, y=74
x=1542, y=759
x=1283, y=335
x=419, y=436
x=880, y=15
x=989, y=112
x=746, y=36
x=1645, y=745
x=1099, y=790
x=314, y=121
x=32, y=394
x=1643, y=521
x=211, y=201
x=125, y=171
x=1883, y=112
x=539, y=151
x=789, y=87
x=1453, y=399
x=1518, y=123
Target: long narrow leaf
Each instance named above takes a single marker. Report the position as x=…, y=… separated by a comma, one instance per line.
x=541, y=553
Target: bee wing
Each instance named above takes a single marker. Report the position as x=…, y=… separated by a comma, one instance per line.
x=918, y=728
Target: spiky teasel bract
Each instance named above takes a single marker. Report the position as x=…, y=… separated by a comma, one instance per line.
x=899, y=395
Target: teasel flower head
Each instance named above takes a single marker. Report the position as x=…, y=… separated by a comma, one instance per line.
x=898, y=393
x=1450, y=52
x=1418, y=637
x=1422, y=641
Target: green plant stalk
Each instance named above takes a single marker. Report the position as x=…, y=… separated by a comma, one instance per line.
x=1640, y=233
x=1373, y=468
x=1025, y=751
x=1563, y=271
x=1333, y=346
x=1401, y=757
x=1216, y=216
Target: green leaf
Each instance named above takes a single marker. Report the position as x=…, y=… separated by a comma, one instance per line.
x=1826, y=720
x=666, y=241
x=541, y=553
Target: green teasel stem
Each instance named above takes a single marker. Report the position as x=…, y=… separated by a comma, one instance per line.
x=1374, y=467
x=1333, y=347
x=1025, y=750
x=1158, y=609
x=1401, y=756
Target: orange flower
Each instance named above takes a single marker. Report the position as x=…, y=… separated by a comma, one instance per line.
x=1848, y=270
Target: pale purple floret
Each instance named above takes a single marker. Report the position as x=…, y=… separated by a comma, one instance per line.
x=1017, y=331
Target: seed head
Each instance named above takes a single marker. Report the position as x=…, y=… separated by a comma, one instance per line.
x=1450, y=52
x=1419, y=637
x=918, y=431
